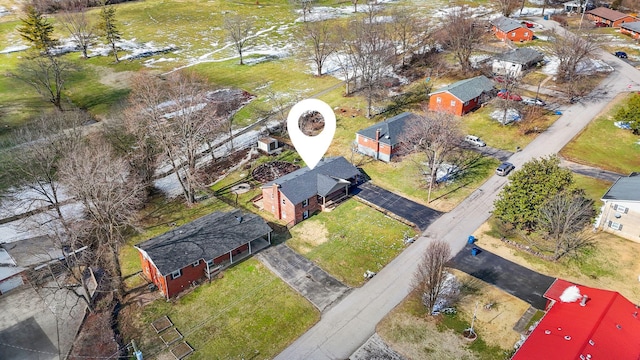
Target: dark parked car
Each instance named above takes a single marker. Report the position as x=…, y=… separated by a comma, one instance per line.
x=504, y=169
x=601, y=24
x=620, y=54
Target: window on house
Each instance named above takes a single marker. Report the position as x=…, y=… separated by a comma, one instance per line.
x=526, y=33
x=466, y=103
x=513, y=34
x=272, y=195
x=365, y=139
x=621, y=209
x=438, y=99
x=615, y=225
x=305, y=202
x=283, y=214
x=210, y=263
x=176, y=274
x=305, y=214
x=453, y=103
x=195, y=263
x=283, y=201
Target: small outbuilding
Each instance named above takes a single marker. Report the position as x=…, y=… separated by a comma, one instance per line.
x=508, y=29
x=199, y=250
x=513, y=63
x=461, y=97
x=268, y=145
x=613, y=18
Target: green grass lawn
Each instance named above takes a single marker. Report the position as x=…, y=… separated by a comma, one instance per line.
x=602, y=144
x=594, y=188
x=248, y=313
x=349, y=240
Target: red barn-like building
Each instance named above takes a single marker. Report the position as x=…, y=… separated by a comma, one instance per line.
x=600, y=324
x=179, y=258
x=612, y=18
x=509, y=29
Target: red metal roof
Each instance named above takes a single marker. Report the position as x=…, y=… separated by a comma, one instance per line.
x=607, y=327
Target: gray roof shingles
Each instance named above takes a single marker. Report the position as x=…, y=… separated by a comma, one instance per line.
x=505, y=24
x=523, y=56
x=468, y=89
x=390, y=130
x=626, y=188
x=205, y=238
x=632, y=26
x=304, y=183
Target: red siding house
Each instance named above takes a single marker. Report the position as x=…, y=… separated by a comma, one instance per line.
x=509, y=29
x=612, y=18
x=199, y=250
x=584, y=323
x=461, y=97
x=295, y=196
x=632, y=29
x=382, y=140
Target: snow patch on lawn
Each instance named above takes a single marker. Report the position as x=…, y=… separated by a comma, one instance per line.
x=13, y=48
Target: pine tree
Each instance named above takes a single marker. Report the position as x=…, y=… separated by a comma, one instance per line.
x=109, y=28
x=37, y=30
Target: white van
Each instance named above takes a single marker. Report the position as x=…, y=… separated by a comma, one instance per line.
x=474, y=140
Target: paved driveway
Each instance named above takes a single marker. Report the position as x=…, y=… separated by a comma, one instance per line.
x=417, y=214
x=303, y=275
x=517, y=280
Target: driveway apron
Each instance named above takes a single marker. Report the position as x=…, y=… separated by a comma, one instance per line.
x=414, y=213
x=517, y=280
x=303, y=275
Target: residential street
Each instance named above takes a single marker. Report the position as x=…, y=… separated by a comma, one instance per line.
x=349, y=323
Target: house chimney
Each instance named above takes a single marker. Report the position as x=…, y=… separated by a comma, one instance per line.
x=377, y=134
x=583, y=302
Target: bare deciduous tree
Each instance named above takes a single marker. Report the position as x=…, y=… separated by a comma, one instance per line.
x=77, y=23
x=408, y=32
x=319, y=43
x=437, y=136
x=562, y=222
x=239, y=29
x=571, y=49
x=306, y=6
x=109, y=194
x=507, y=7
x=462, y=34
x=430, y=276
x=46, y=74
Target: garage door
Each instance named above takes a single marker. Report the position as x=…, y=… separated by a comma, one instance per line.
x=10, y=283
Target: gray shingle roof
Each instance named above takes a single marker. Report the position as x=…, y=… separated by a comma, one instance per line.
x=505, y=24
x=632, y=26
x=626, y=188
x=606, y=13
x=468, y=89
x=523, y=56
x=390, y=130
x=205, y=238
x=304, y=183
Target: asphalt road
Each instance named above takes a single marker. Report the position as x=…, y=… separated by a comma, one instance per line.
x=349, y=323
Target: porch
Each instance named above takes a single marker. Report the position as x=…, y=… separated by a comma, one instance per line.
x=212, y=269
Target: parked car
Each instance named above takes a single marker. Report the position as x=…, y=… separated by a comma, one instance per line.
x=504, y=169
x=536, y=101
x=620, y=54
x=601, y=24
x=504, y=94
x=474, y=140
x=527, y=24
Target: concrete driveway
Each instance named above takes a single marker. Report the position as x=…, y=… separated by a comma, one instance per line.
x=386, y=201
x=517, y=280
x=303, y=275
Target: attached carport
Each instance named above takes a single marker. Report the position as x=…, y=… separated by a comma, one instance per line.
x=403, y=208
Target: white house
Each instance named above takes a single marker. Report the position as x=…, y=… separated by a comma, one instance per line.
x=513, y=63
x=620, y=213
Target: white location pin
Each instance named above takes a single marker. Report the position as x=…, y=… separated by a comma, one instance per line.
x=311, y=148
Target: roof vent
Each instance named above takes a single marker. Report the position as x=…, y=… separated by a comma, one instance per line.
x=567, y=337
x=618, y=326
x=591, y=342
x=239, y=219
x=583, y=302
x=635, y=314
x=588, y=356
x=547, y=332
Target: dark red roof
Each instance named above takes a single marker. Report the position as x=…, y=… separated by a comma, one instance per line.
x=607, y=327
x=608, y=14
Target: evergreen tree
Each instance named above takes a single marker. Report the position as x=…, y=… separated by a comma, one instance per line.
x=109, y=28
x=631, y=114
x=37, y=30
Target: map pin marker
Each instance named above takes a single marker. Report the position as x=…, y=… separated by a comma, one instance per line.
x=311, y=148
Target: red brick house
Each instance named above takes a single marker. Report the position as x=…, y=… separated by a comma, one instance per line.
x=461, y=97
x=584, y=323
x=382, y=140
x=199, y=250
x=508, y=29
x=295, y=196
x=612, y=18
x=632, y=29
